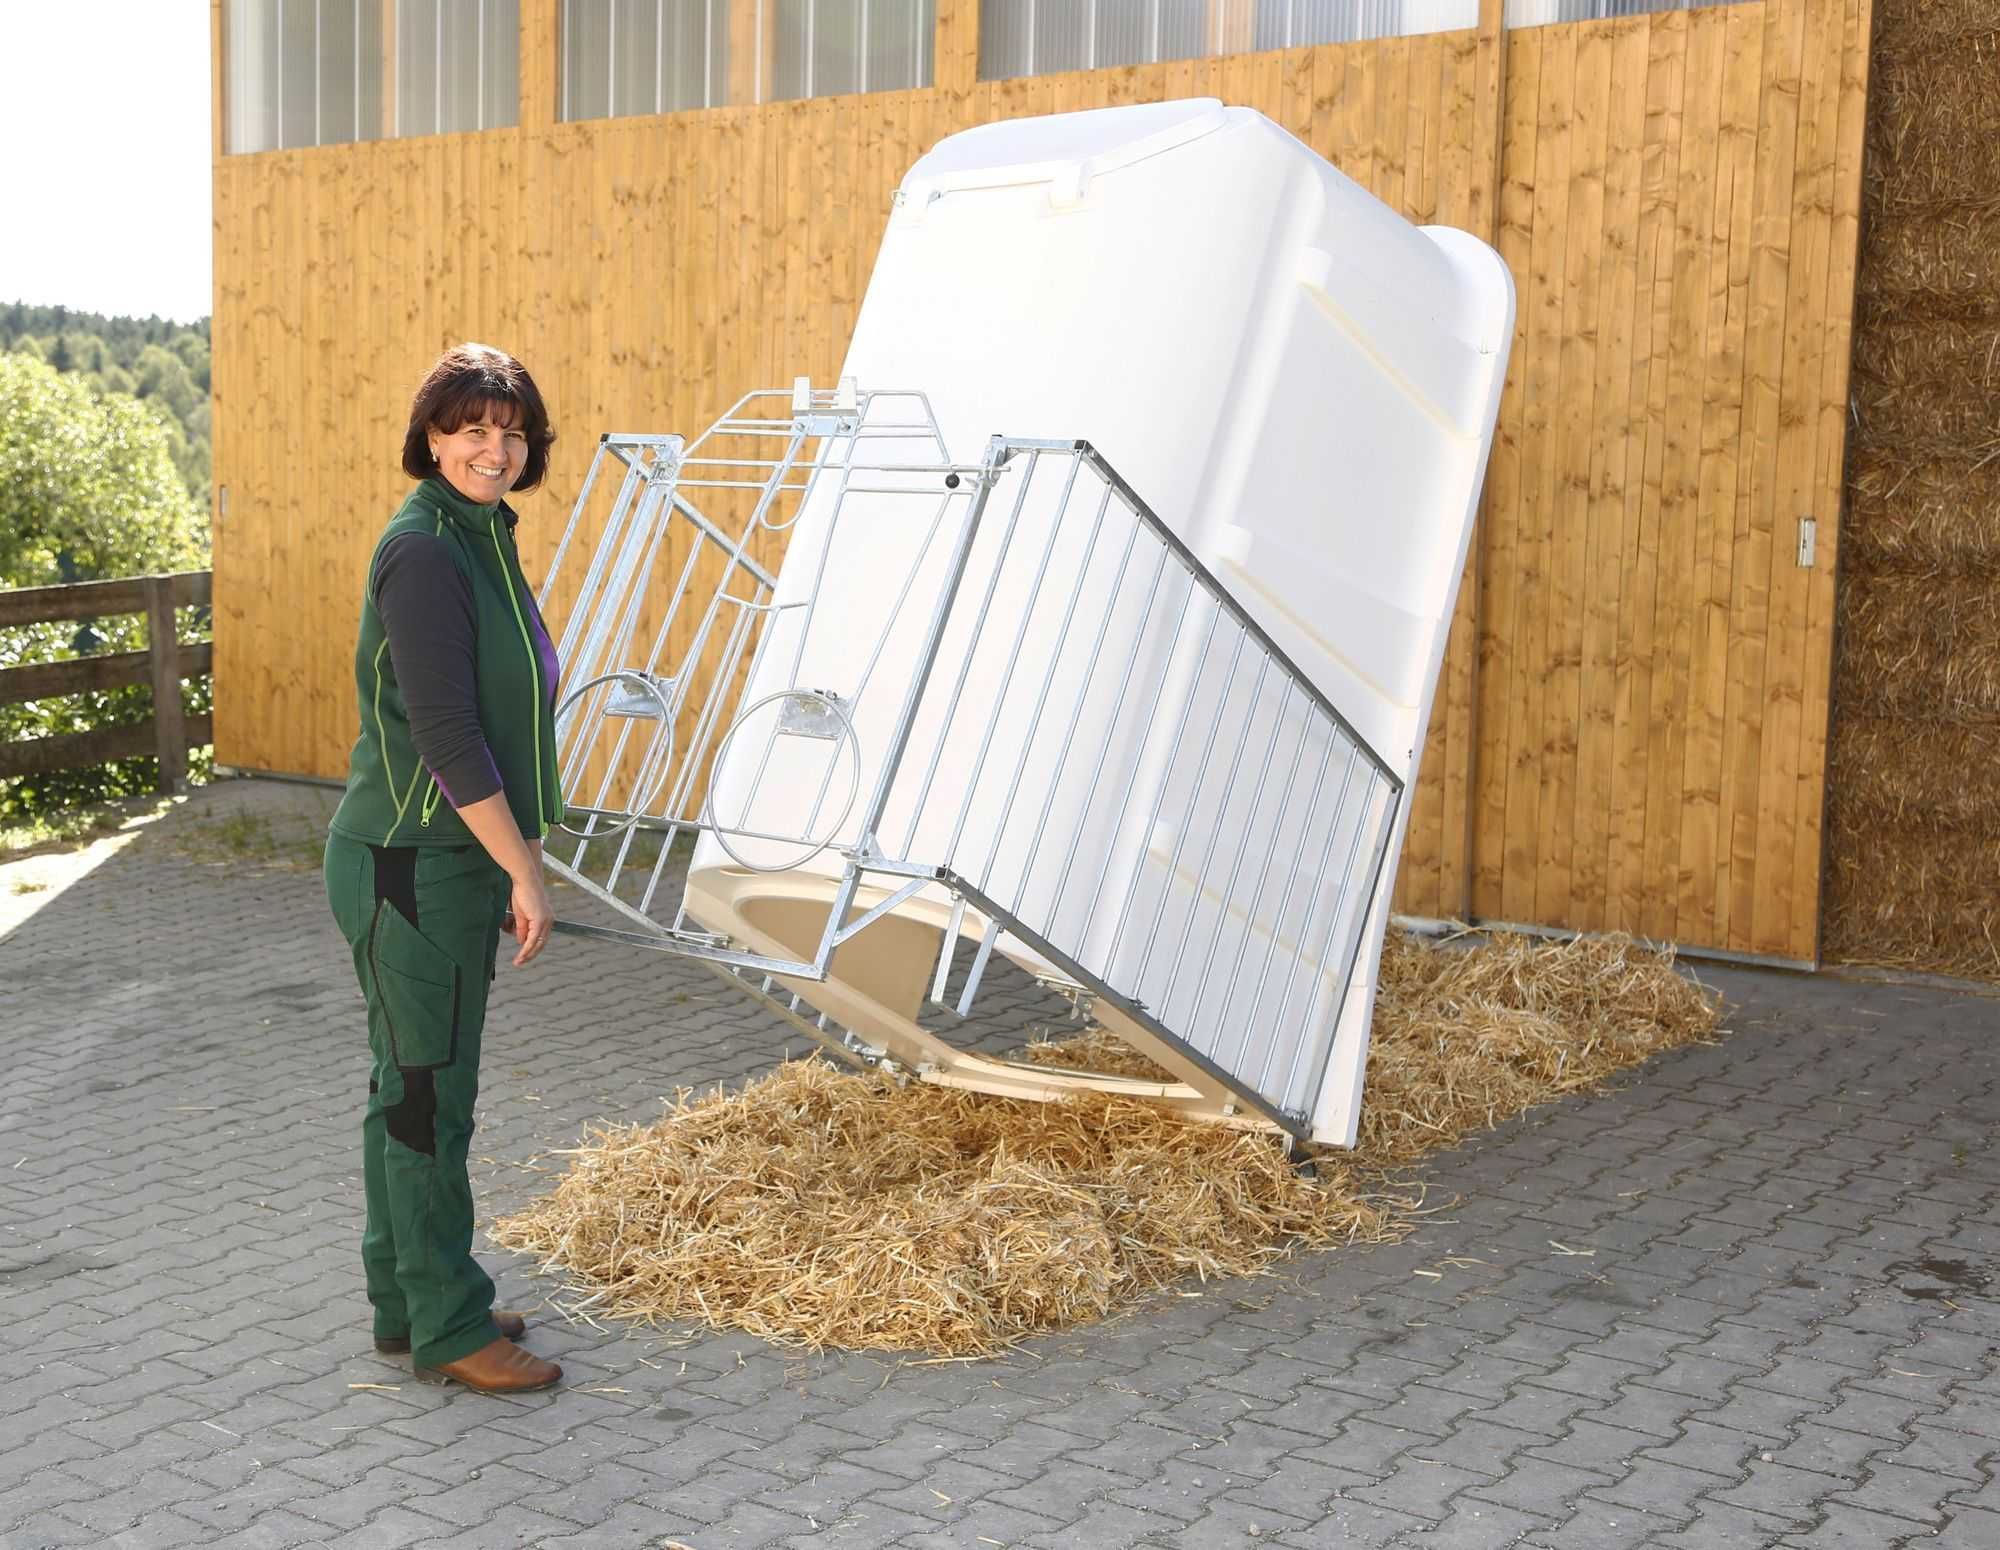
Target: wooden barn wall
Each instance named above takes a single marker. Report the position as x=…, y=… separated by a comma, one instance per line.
x=1631, y=730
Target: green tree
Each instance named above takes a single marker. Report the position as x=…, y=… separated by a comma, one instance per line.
x=192, y=348
x=88, y=489
x=153, y=358
x=87, y=483
x=163, y=375
x=86, y=352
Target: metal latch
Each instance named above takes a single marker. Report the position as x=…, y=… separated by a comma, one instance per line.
x=631, y=700
x=1808, y=531
x=810, y=714
x=841, y=418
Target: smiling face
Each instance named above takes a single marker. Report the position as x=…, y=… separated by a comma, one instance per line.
x=484, y=456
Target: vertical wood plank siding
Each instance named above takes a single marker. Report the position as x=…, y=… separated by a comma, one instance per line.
x=1630, y=733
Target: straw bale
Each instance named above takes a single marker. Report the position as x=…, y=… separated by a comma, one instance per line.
x=1913, y=789
x=817, y=1208
x=1913, y=29
x=1895, y=771
x=1932, y=118
x=1928, y=516
x=1932, y=261
x=1929, y=383
x=1910, y=896
x=1926, y=642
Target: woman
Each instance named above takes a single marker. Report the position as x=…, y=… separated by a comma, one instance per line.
x=437, y=843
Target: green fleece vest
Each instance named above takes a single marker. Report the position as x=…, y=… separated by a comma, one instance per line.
x=391, y=798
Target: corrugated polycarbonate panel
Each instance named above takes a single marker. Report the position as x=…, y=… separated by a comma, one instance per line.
x=1045, y=37
x=694, y=46
x=1296, y=23
x=455, y=70
x=301, y=72
x=298, y=115
x=1538, y=13
x=624, y=57
x=1042, y=37
x=829, y=47
x=586, y=50
x=635, y=59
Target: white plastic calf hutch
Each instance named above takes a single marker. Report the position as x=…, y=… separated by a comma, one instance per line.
x=1116, y=578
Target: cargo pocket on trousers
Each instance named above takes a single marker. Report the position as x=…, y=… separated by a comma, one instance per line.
x=419, y=986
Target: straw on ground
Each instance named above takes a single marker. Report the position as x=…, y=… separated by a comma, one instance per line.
x=817, y=1208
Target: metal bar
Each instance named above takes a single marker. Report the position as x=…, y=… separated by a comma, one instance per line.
x=1317, y=1076
x=908, y=891
x=1049, y=675
x=661, y=941
x=1111, y=725
x=1166, y=777
x=737, y=554
x=711, y=711
x=1246, y=1023
x=735, y=546
x=979, y=961
x=938, y=617
x=1242, y=847
x=948, y=947
x=1292, y=876
x=1305, y=925
x=618, y=646
x=1020, y=639
x=1075, y=718
x=836, y=914
x=1332, y=930
x=569, y=530
x=814, y=1030
x=909, y=581
x=1257, y=632
x=644, y=822
x=1194, y=796
x=798, y=659
x=608, y=582
x=742, y=484
x=1123, y=1004
x=1199, y=884
x=698, y=744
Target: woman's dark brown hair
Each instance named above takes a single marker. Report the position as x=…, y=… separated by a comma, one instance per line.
x=468, y=380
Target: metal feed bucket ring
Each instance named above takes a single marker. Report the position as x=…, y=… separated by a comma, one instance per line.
x=847, y=738
x=642, y=795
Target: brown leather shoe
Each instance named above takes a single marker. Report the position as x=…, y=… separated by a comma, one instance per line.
x=500, y=1367
x=512, y=1325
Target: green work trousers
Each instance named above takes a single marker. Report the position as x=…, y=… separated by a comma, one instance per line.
x=424, y=924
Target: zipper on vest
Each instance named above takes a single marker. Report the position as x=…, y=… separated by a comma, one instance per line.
x=534, y=675
x=430, y=804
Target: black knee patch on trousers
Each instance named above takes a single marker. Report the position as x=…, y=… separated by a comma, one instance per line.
x=414, y=1121
x=396, y=878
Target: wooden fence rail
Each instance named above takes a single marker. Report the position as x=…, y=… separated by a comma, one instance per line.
x=164, y=664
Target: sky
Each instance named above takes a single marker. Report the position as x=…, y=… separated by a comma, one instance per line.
x=105, y=114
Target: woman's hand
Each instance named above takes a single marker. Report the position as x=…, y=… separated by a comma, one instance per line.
x=530, y=914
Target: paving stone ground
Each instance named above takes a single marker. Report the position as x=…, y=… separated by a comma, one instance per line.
x=1745, y=1301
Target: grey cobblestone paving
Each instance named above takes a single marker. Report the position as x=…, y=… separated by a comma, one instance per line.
x=1745, y=1301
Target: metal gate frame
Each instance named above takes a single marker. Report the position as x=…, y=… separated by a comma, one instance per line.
x=824, y=450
